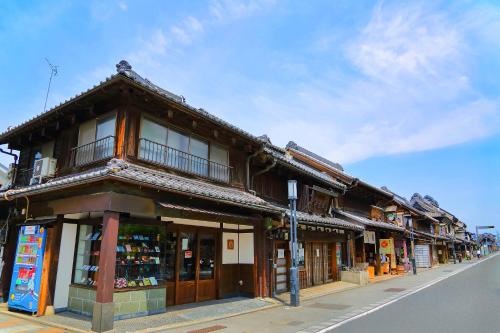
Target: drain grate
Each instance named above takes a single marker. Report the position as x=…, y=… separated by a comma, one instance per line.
x=448, y=270
x=394, y=290
x=327, y=306
x=208, y=329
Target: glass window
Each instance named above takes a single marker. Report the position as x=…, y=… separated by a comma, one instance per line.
x=219, y=169
x=187, y=266
x=87, y=255
x=178, y=156
x=140, y=256
x=153, y=141
x=170, y=255
x=207, y=257
x=198, y=148
x=105, y=127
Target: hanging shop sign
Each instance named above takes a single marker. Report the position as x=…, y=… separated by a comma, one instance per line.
x=369, y=237
x=386, y=246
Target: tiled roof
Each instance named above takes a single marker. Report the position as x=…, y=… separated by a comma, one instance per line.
x=294, y=146
x=402, y=201
x=118, y=169
x=326, y=221
x=288, y=160
x=428, y=206
x=124, y=71
x=367, y=222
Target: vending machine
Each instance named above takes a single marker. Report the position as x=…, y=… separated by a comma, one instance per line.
x=27, y=272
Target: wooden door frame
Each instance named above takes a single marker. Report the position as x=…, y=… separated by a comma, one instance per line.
x=178, y=228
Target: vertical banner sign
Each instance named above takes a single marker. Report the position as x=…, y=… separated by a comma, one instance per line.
x=369, y=237
x=27, y=272
x=386, y=246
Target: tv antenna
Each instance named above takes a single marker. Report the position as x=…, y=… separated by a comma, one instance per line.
x=53, y=72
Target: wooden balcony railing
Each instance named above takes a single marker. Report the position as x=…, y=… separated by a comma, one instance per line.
x=93, y=152
x=163, y=155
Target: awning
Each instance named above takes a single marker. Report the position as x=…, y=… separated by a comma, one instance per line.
x=325, y=221
x=183, y=211
x=44, y=221
x=367, y=222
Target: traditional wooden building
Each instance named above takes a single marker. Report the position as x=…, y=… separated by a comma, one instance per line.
x=324, y=239
x=366, y=205
x=144, y=200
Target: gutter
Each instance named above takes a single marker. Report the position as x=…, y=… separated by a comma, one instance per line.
x=269, y=167
x=260, y=150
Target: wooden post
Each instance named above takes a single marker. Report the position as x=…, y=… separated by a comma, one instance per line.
x=49, y=270
x=256, y=263
x=103, y=314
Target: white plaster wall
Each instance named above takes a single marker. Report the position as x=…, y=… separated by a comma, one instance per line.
x=65, y=266
x=246, y=248
x=229, y=256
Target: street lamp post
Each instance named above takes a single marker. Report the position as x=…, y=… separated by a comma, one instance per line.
x=294, y=272
x=412, y=244
x=453, y=242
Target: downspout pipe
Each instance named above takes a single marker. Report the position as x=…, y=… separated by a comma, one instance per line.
x=9, y=153
x=260, y=150
x=269, y=167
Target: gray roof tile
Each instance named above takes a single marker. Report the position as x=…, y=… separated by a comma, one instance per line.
x=118, y=169
x=367, y=222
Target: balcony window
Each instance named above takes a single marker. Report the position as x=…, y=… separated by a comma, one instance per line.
x=165, y=146
x=96, y=140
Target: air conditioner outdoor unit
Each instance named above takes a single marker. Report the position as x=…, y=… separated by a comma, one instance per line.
x=44, y=168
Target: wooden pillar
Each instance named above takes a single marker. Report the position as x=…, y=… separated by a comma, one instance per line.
x=50, y=264
x=351, y=248
x=257, y=253
x=103, y=314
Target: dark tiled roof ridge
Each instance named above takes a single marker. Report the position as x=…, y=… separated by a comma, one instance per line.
x=295, y=146
x=284, y=157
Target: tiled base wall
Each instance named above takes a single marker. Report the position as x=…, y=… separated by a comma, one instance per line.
x=128, y=304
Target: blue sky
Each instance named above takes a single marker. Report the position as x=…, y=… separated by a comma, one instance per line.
x=403, y=94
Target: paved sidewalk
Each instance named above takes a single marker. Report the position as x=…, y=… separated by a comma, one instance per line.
x=328, y=302
x=317, y=313
x=10, y=324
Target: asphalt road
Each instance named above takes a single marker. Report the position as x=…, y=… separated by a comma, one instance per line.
x=466, y=302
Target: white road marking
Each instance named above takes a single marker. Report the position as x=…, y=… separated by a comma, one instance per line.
x=400, y=297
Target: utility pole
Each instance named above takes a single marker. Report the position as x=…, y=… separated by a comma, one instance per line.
x=294, y=271
x=412, y=242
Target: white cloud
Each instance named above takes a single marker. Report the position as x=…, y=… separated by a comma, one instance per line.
x=411, y=92
x=123, y=5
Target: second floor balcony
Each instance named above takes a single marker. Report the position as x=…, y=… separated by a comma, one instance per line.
x=93, y=152
x=162, y=155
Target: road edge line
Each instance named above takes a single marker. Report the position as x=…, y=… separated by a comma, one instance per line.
x=425, y=286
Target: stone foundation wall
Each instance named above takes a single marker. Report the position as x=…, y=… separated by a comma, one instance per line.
x=127, y=304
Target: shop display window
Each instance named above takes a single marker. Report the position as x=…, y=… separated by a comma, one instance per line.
x=141, y=256
x=87, y=255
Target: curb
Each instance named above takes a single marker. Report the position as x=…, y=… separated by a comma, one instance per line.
x=38, y=320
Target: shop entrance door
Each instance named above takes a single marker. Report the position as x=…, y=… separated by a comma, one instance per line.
x=317, y=255
x=186, y=287
x=338, y=257
x=196, y=262
x=281, y=273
